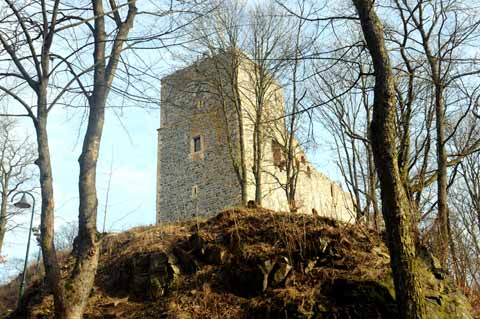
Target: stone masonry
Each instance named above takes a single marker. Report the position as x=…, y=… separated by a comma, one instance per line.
x=195, y=174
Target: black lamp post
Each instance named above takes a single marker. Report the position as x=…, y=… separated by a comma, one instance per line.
x=24, y=204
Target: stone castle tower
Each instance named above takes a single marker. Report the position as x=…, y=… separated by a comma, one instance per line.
x=205, y=108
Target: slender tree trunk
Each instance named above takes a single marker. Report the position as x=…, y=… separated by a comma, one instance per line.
x=395, y=206
x=372, y=187
x=243, y=166
x=243, y=180
x=442, y=178
x=257, y=167
x=3, y=217
x=453, y=253
x=52, y=269
x=87, y=250
x=292, y=169
x=441, y=240
x=234, y=149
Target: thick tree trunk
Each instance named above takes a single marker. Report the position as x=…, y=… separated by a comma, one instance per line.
x=395, y=206
x=87, y=249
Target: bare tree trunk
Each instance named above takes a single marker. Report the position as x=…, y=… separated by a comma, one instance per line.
x=242, y=166
x=292, y=170
x=3, y=217
x=87, y=250
x=453, y=253
x=372, y=187
x=52, y=270
x=257, y=150
x=395, y=206
x=442, y=179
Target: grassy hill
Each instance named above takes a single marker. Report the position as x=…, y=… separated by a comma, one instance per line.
x=250, y=264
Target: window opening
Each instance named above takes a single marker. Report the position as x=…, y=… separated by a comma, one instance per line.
x=277, y=153
x=194, y=191
x=197, y=144
x=200, y=103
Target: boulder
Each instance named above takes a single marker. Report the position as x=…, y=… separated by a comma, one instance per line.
x=280, y=272
x=249, y=279
x=146, y=276
x=187, y=263
x=216, y=255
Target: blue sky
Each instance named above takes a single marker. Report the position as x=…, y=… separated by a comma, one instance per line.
x=130, y=144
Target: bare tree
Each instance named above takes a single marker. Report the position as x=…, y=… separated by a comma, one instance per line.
x=69, y=303
x=267, y=43
x=219, y=37
x=65, y=236
x=444, y=38
x=36, y=38
x=347, y=118
x=464, y=214
x=293, y=143
x=249, y=52
x=395, y=206
x=17, y=157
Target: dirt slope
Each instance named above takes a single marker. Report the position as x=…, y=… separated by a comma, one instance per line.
x=250, y=264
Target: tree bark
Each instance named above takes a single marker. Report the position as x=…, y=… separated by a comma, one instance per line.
x=87, y=250
x=442, y=179
x=438, y=81
x=395, y=206
x=52, y=270
x=3, y=217
x=237, y=100
x=257, y=151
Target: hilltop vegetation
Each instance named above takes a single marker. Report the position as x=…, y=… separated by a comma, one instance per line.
x=250, y=264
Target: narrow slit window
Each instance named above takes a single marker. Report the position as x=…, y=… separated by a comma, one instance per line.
x=194, y=191
x=200, y=104
x=197, y=144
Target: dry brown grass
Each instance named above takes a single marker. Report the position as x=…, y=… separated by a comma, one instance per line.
x=320, y=251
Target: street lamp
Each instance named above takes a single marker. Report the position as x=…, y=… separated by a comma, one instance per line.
x=24, y=204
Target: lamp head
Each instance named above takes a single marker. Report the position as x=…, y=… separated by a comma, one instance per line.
x=22, y=203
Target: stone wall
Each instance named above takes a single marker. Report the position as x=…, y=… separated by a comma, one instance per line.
x=192, y=183
x=201, y=183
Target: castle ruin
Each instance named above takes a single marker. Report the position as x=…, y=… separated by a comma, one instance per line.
x=200, y=126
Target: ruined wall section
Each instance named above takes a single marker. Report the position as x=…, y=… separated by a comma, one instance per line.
x=192, y=183
x=314, y=190
x=317, y=191
x=273, y=195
